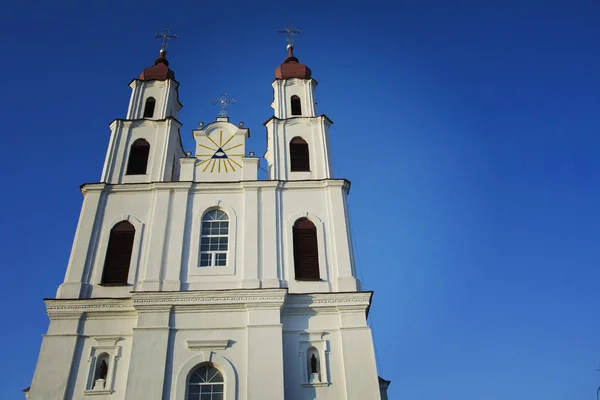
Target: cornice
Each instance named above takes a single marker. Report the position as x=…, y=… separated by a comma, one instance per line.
x=277, y=82
x=347, y=301
x=295, y=119
x=214, y=186
x=211, y=299
x=136, y=81
x=143, y=121
x=71, y=308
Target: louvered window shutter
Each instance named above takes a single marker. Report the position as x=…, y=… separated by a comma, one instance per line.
x=118, y=254
x=306, y=253
x=300, y=160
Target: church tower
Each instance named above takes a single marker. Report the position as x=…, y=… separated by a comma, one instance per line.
x=191, y=279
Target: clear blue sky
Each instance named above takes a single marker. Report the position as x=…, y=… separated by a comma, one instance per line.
x=469, y=130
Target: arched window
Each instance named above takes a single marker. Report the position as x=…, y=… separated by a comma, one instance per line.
x=300, y=160
x=206, y=383
x=138, y=157
x=306, y=253
x=149, y=107
x=118, y=254
x=296, y=107
x=214, y=239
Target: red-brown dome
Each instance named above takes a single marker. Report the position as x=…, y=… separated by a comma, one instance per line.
x=292, y=68
x=160, y=71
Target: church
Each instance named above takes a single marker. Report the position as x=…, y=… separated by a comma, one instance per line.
x=191, y=278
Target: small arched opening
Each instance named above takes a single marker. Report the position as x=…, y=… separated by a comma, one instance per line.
x=149, y=107
x=138, y=157
x=295, y=104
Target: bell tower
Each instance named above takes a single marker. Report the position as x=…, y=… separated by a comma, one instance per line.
x=297, y=137
x=146, y=145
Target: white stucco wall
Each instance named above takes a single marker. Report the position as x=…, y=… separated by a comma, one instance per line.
x=258, y=339
x=167, y=218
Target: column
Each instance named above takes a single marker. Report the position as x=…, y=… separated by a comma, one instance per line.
x=339, y=236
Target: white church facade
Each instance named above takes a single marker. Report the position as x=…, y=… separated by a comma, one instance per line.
x=190, y=278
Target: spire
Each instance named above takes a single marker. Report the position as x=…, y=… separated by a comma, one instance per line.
x=160, y=70
x=291, y=67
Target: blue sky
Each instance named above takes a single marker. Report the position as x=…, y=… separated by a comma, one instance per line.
x=469, y=130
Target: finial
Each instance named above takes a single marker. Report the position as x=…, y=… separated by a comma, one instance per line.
x=291, y=32
x=223, y=102
x=165, y=37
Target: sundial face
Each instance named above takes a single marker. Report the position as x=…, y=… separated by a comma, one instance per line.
x=222, y=155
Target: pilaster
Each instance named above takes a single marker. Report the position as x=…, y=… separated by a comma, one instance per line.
x=250, y=239
x=175, y=236
x=146, y=375
x=54, y=374
x=158, y=245
x=346, y=281
x=272, y=271
x=80, y=256
x=265, y=374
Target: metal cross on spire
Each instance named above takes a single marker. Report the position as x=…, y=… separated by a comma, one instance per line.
x=291, y=33
x=223, y=102
x=165, y=37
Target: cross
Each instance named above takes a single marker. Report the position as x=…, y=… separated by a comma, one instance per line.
x=291, y=32
x=165, y=36
x=223, y=102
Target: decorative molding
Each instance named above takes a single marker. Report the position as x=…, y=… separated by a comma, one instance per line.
x=110, y=341
x=350, y=300
x=238, y=298
x=56, y=308
x=207, y=344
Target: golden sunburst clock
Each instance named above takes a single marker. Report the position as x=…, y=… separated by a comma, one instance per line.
x=221, y=159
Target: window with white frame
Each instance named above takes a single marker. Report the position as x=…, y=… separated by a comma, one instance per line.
x=206, y=383
x=214, y=239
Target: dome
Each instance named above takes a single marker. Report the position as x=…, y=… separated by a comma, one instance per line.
x=292, y=68
x=160, y=71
